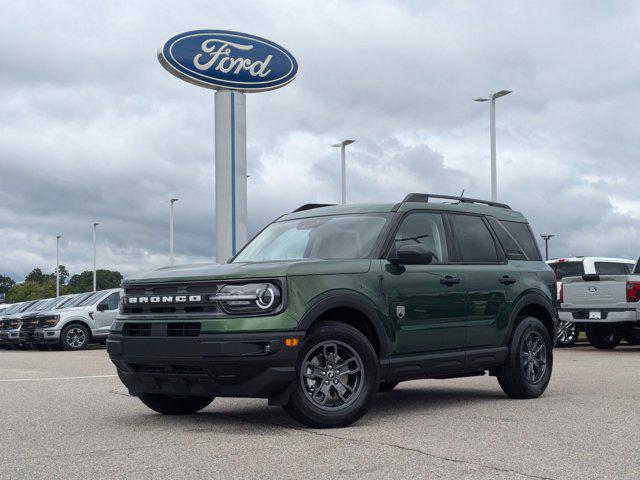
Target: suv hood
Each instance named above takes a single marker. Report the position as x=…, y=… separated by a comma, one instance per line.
x=232, y=271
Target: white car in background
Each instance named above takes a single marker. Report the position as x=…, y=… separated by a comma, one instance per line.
x=73, y=328
x=568, y=332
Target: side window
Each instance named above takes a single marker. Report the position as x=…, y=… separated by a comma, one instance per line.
x=522, y=234
x=474, y=239
x=426, y=229
x=611, y=268
x=511, y=247
x=112, y=301
x=628, y=268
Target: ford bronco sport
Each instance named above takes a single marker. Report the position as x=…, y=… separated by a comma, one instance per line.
x=330, y=304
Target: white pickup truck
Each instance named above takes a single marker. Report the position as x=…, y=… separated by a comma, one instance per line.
x=607, y=305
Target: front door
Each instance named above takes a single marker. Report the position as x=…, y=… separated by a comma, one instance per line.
x=426, y=302
x=106, y=317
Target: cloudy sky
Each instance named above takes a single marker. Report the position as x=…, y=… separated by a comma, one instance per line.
x=92, y=128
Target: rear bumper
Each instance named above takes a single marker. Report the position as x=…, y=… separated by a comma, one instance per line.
x=257, y=365
x=608, y=315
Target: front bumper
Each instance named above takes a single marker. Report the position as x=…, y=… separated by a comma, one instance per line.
x=8, y=337
x=608, y=315
x=45, y=336
x=256, y=365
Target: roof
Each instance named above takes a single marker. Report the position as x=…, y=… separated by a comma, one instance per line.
x=497, y=212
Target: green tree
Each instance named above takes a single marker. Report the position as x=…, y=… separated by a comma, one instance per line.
x=30, y=290
x=6, y=283
x=83, y=282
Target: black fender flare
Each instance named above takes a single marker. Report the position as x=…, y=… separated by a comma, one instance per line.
x=526, y=300
x=349, y=301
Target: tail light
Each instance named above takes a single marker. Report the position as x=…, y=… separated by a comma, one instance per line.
x=633, y=291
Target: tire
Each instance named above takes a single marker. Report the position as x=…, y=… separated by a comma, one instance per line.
x=321, y=396
x=387, y=386
x=42, y=348
x=568, y=334
x=174, y=405
x=603, y=337
x=74, y=337
x=527, y=371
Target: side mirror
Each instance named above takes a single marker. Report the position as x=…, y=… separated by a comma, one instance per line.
x=412, y=255
x=102, y=307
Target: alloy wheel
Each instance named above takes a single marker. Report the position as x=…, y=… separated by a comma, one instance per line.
x=332, y=375
x=566, y=332
x=533, y=355
x=76, y=337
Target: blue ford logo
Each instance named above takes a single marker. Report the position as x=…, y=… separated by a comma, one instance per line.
x=221, y=59
x=592, y=289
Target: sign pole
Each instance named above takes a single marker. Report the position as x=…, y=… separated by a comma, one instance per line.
x=231, y=173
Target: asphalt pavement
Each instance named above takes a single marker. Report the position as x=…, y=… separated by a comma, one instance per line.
x=65, y=415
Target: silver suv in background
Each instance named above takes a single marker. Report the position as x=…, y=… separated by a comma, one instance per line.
x=568, y=332
x=29, y=320
x=75, y=327
x=10, y=324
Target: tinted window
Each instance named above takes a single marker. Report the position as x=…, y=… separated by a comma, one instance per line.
x=426, y=229
x=522, y=234
x=112, y=301
x=511, y=247
x=568, y=269
x=474, y=239
x=612, y=268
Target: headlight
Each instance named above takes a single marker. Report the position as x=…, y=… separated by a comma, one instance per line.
x=249, y=298
x=48, y=321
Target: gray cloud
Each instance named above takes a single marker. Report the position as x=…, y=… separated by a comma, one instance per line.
x=93, y=129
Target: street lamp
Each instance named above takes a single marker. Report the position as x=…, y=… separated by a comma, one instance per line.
x=546, y=237
x=492, y=127
x=95, y=280
x=58, y=237
x=342, y=146
x=171, y=202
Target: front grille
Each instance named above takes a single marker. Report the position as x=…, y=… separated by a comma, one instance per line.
x=170, y=307
x=190, y=329
x=167, y=369
x=29, y=324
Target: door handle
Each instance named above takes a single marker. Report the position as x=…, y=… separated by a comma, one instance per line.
x=449, y=280
x=507, y=280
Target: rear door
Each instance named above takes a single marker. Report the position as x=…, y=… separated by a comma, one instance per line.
x=489, y=280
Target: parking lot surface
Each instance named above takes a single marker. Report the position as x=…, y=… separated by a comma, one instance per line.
x=66, y=415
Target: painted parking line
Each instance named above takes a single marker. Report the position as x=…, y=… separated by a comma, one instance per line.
x=54, y=378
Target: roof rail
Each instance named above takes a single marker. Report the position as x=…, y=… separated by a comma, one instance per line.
x=424, y=198
x=311, y=206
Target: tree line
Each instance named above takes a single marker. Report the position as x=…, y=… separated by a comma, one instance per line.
x=40, y=285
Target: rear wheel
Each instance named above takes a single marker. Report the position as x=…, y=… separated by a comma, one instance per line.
x=387, y=386
x=527, y=371
x=74, y=337
x=174, y=404
x=336, y=377
x=603, y=337
x=568, y=334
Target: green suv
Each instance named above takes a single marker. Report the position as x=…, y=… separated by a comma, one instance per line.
x=330, y=304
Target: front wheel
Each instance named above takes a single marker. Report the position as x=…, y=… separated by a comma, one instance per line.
x=337, y=377
x=603, y=337
x=174, y=404
x=74, y=337
x=527, y=371
x=567, y=334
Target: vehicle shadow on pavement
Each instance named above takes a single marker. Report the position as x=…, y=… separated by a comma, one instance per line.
x=408, y=399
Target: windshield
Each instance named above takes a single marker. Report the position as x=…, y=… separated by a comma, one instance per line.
x=46, y=304
x=330, y=237
x=90, y=300
x=13, y=309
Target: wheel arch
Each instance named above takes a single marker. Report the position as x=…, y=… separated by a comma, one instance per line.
x=353, y=311
x=534, y=305
x=77, y=321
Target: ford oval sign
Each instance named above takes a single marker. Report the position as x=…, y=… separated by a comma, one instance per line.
x=221, y=59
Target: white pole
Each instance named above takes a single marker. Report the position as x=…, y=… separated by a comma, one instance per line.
x=95, y=279
x=231, y=173
x=58, y=237
x=171, y=257
x=343, y=149
x=494, y=173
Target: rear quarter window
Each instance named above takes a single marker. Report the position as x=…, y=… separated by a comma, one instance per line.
x=522, y=234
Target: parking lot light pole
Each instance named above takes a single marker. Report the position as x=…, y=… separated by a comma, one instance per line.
x=492, y=134
x=343, y=159
x=546, y=237
x=58, y=237
x=95, y=280
x=171, y=202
